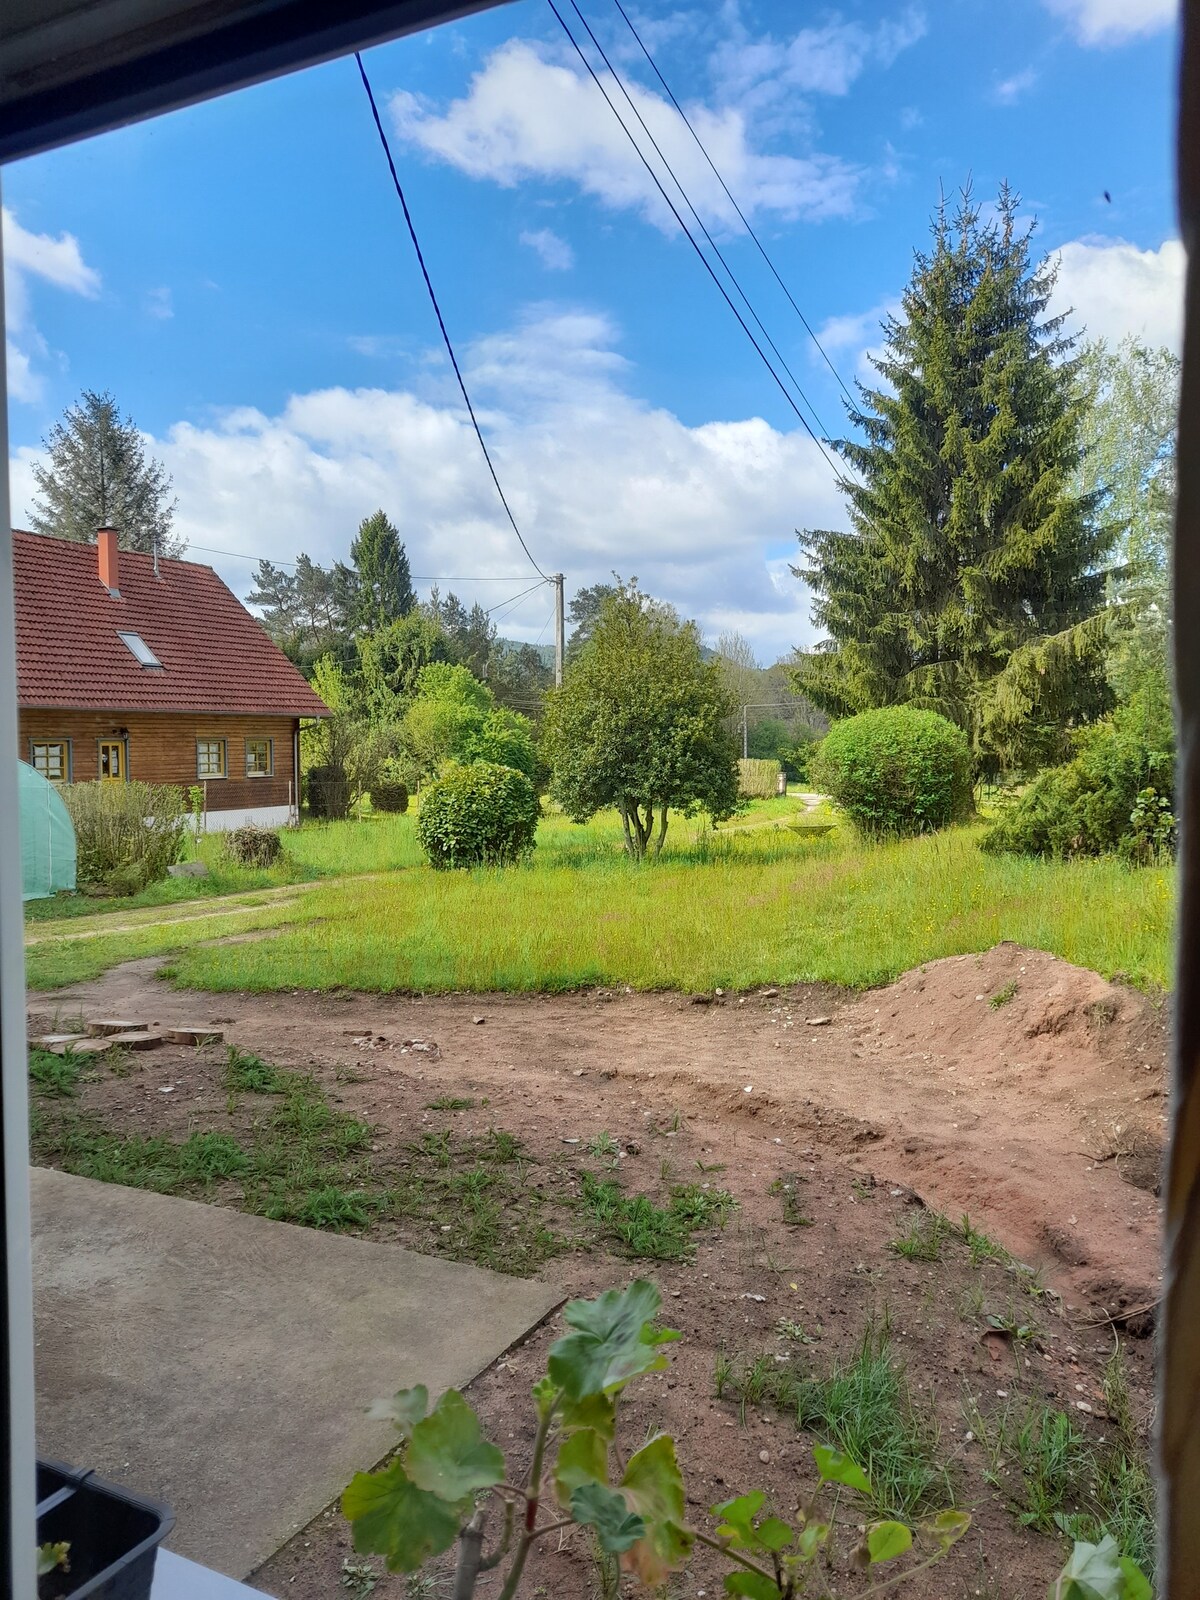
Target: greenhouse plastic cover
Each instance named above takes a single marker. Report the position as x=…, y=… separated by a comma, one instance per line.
x=47, y=837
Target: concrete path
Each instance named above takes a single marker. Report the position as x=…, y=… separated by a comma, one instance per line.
x=222, y=1363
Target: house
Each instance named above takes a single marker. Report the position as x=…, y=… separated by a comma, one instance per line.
x=133, y=667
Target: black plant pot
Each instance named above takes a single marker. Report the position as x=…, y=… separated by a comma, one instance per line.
x=113, y=1535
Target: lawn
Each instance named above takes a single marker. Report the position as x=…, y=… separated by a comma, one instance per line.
x=755, y=902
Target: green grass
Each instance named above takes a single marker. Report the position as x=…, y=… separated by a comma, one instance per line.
x=1057, y=1481
x=865, y=1408
x=923, y=1239
x=54, y=1075
x=636, y=1227
x=721, y=911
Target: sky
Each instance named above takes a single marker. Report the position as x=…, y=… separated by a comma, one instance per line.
x=239, y=276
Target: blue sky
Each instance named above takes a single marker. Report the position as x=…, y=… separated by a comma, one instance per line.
x=238, y=275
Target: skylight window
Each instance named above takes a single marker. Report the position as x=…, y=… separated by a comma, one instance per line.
x=139, y=649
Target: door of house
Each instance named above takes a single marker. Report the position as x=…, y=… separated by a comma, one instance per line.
x=112, y=758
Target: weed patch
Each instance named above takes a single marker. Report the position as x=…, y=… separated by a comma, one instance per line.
x=787, y=1188
x=639, y=1228
x=923, y=1239
x=56, y=1076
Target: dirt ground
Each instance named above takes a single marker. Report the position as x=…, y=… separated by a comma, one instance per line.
x=1011, y=1086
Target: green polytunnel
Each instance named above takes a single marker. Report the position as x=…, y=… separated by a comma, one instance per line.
x=47, y=837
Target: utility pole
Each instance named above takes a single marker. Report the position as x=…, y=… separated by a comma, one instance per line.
x=559, y=629
x=745, y=735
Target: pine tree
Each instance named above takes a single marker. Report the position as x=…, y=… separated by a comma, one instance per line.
x=376, y=588
x=971, y=548
x=99, y=475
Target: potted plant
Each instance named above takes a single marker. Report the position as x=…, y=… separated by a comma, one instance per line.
x=95, y=1540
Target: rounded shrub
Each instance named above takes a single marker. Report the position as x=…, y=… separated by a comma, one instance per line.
x=389, y=794
x=896, y=770
x=252, y=846
x=328, y=792
x=477, y=815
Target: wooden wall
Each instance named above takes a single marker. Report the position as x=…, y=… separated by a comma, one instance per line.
x=161, y=748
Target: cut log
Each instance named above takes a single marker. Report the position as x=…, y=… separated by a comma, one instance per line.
x=103, y=1025
x=193, y=1035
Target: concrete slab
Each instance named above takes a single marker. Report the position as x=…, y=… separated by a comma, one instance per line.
x=221, y=1362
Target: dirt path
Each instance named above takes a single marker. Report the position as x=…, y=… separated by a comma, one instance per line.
x=1012, y=1086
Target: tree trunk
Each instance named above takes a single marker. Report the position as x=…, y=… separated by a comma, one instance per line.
x=629, y=845
x=662, y=828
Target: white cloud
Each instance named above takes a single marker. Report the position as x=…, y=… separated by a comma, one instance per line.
x=159, y=305
x=1106, y=22
x=525, y=116
x=1111, y=288
x=597, y=478
x=858, y=335
x=556, y=254
x=822, y=60
x=1009, y=90
x=55, y=261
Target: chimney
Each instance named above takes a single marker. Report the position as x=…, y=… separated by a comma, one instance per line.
x=106, y=545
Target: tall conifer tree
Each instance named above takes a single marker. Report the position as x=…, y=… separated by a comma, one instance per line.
x=376, y=588
x=971, y=550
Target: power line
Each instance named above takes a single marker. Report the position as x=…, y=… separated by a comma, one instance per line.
x=417, y=577
x=762, y=250
x=783, y=389
x=412, y=233
x=517, y=597
x=712, y=243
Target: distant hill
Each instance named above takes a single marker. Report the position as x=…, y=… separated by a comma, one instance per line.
x=545, y=651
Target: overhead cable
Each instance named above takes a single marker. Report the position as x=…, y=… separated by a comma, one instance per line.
x=762, y=249
x=712, y=243
x=437, y=310
x=708, y=267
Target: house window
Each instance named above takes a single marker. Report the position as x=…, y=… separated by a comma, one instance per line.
x=139, y=649
x=210, y=758
x=112, y=759
x=260, y=758
x=52, y=758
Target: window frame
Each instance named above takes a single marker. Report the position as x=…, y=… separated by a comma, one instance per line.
x=212, y=777
x=263, y=772
x=148, y=660
x=123, y=746
x=65, y=745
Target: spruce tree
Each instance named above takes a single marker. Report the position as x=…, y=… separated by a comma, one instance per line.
x=376, y=588
x=973, y=580
x=98, y=475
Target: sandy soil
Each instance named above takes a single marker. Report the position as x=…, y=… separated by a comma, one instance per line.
x=1012, y=1086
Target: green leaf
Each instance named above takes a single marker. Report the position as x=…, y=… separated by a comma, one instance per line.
x=737, y=1519
x=613, y=1342
x=447, y=1454
x=1137, y=1585
x=811, y=1539
x=752, y=1586
x=596, y=1411
x=887, y=1540
x=1092, y=1572
x=405, y=1409
x=582, y=1459
x=653, y=1486
x=835, y=1467
x=774, y=1534
x=392, y=1517
x=947, y=1527
x=545, y=1392
x=597, y=1506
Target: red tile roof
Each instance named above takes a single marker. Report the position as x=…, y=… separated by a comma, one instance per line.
x=215, y=656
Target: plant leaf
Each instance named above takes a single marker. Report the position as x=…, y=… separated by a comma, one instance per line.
x=1092, y=1572
x=887, y=1540
x=406, y=1408
x=737, y=1519
x=596, y=1411
x=447, y=1454
x=1137, y=1585
x=393, y=1518
x=545, y=1392
x=598, y=1506
x=835, y=1467
x=752, y=1586
x=811, y=1539
x=613, y=1341
x=774, y=1534
x=582, y=1459
x=947, y=1527
x=653, y=1486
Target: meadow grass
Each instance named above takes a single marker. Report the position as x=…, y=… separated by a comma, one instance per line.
x=732, y=909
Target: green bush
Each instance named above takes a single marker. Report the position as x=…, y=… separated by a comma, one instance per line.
x=477, y=815
x=1115, y=795
x=328, y=791
x=126, y=834
x=389, y=794
x=896, y=770
x=759, y=778
x=252, y=846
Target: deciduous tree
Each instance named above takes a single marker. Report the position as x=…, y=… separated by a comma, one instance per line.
x=641, y=723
